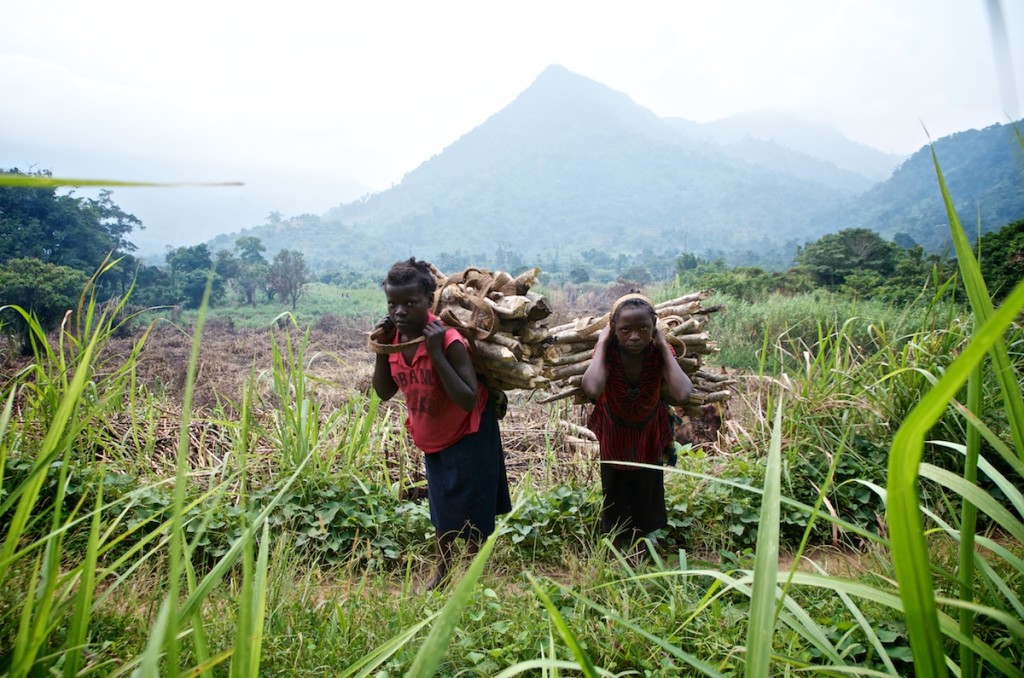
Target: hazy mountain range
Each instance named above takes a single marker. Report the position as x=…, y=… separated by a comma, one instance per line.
x=571, y=165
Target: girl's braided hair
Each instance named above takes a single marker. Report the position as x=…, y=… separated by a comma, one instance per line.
x=411, y=272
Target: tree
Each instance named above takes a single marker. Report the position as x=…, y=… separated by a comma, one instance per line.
x=687, y=261
x=579, y=274
x=190, y=267
x=250, y=249
x=227, y=265
x=65, y=230
x=192, y=285
x=636, y=273
x=288, y=275
x=836, y=255
x=251, y=279
x=42, y=289
x=861, y=283
x=1002, y=258
x=903, y=240
x=185, y=259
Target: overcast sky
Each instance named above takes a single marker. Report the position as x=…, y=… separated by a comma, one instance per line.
x=366, y=91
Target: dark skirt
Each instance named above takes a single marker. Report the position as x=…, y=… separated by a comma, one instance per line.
x=634, y=500
x=466, y=482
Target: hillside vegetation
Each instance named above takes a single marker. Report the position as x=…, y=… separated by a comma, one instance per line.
x=571, y=165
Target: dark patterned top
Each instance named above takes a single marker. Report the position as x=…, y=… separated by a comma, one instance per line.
x=630, y=420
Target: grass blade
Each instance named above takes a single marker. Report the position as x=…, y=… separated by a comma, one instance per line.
x=435, y=646
x=78, y=634
x=909, y=547
x=761, y=625
x=582, y=658
x=382, y=653
x=981, y=305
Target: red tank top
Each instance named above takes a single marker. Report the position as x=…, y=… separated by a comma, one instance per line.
x=434, y=420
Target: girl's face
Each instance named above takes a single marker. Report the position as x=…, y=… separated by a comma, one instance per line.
x=634, y=328
x=408, y=307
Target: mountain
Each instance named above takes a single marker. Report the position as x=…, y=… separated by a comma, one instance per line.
x=572, y=166
x=787, y=132
x=984, y=171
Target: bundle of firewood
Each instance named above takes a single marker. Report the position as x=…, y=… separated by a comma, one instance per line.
x=682, y=321
x=502, y=319
x=500, y=316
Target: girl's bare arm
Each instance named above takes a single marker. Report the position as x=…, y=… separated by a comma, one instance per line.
x=383, y=383
x=454, y=366
x=677, y=387
x=596, y=376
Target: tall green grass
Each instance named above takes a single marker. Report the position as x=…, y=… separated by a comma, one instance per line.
x=944, y=592
x=988, y=586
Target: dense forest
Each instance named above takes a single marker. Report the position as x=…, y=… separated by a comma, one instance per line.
x=51, y=243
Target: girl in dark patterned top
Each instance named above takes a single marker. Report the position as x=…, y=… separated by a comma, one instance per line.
x=632, y=375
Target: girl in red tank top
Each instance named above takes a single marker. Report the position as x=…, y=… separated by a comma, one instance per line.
x=449, y=414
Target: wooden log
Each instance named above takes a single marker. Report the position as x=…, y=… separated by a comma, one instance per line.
x=688, y=326
x=570, y=358
x=693, y=339
x=494, y=353
x=685, y=299
x=512, y=344
x=538, y=308
x=571, y=336
x=533, y=334
x=706, y=398
x=716, y=378
x=566, y=371
x=564, y=393
x=518, y=371
x=683, y=309
x=510, y=306
x=525, y=280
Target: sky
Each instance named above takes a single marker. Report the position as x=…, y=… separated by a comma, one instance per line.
x=312, y=103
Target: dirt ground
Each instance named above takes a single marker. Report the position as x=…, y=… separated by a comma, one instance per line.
x=335, y=356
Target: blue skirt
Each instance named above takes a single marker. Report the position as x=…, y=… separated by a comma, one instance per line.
x=466, y=482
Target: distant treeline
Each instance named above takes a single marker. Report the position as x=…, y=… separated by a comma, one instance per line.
x=51, y=244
